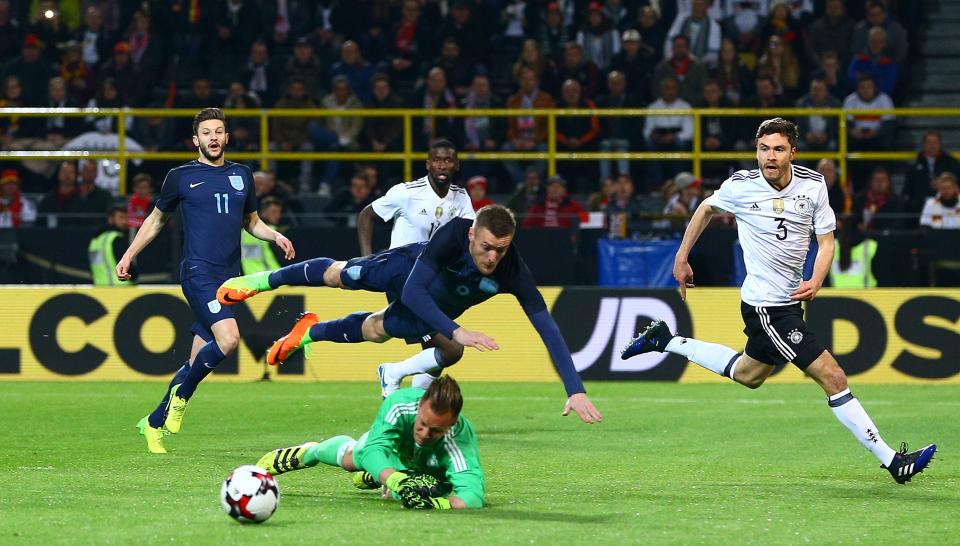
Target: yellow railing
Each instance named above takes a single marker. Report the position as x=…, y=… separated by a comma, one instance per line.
x=842, y=155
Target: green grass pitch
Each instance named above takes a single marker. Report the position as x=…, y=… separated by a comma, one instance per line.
x=670, y=464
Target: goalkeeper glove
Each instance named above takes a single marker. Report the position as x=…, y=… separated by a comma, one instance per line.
x=416, y=491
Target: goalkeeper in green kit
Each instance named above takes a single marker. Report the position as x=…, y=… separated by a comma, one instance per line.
x=419, y=447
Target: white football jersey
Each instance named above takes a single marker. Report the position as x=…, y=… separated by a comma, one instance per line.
x=774, y=229
x=417, y=211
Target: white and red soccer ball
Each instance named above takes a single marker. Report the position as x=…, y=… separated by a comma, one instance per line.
x=250, y=494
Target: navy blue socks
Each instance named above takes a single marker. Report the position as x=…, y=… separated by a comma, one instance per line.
x=343, y=330
x=207, y=359
x=306, y=273
x=158, y=416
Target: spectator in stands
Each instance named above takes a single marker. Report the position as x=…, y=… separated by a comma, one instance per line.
x=11, y=32
x=732, y=74
x=931, y=162
x=780, y=63
x=140, y=202
x=462, y=26
x=703, y=34
x=291, y=134
x=87, y=172
x=869, y=132
x=576, y=67
x=108, y=96
x=260, y=75
x=434, y=95
x=59, y=129
x=477, y=189
x=517, y=19
x=91, y=200
x=818, y=132
x=833, y=74
x=146, y=48
x=617, y=133
x=303, y=65
x=743, y=22
x=878, y=204
x=348, y=202
x=781, y=22
x=556, y=210
x=599, y=38
x=765, y=96
x=232, y=26
x=854, y=253
x=355, y=68
x=652, y=29
x=31, y=70
x=527, y=133
x=63, y=197
x=528, y=192
x=46, y=22
x=265, y=184
x=554, y=34
x=833, y=31
x=622, y=209
x=383, y=134
x=15, y=209
x=481, y=133
x=671, y=133
x=336, y=133
x=942, y=211
x=682, y=67
x=256, y=255
x=877, y=16
x=635, y=63
x=598, y=200
x=95, y=39
x=459, y=72
x=12, y=98
x=128, y=79
x=577, y=133
x=531, y=57
x=874, y=61
x=687, y=197
x=837, y=194
x=717, y=133
x=410, y=45
x=77, y=75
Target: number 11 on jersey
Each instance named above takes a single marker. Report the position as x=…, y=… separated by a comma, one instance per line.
x=225, y=209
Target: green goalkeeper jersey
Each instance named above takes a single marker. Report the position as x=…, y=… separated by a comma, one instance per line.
x=453, y=460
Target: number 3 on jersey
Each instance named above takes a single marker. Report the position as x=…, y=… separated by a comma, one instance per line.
x=782, y=228
x=225, y=208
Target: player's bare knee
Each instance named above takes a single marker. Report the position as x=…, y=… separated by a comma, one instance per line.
x=372, y=329
x=228, y=341
x=331, y=277
x=753, y=381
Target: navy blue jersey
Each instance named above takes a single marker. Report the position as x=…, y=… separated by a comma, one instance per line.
x=214, y=202
x=459, y=285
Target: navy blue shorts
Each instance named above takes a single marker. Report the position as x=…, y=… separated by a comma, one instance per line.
x=201, y=294
x=385, y=271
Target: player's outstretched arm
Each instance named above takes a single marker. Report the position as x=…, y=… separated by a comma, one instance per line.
x=682, y=271
x=821, y=267
x=259, y=229
x=151, y=227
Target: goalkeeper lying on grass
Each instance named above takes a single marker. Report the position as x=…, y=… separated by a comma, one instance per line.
x=419, y=447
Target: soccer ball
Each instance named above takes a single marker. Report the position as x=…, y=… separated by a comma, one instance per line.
x=250, y=494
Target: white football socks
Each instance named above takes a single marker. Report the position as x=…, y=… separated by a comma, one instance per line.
x=422, y=362
x=422, y=381
x=850, y=412
x=712, y=356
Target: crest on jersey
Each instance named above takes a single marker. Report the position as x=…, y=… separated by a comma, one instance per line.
x=778, y=206
x=236, y=182
x=802, y=205
x=439, y=213
x=795, y=336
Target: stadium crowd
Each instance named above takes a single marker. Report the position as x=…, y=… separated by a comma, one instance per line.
x=439, y=55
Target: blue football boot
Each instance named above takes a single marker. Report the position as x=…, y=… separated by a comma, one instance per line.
x=653, y=338
x=907, y=465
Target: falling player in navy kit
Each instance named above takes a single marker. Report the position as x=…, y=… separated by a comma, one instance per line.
x=429, y=284
x=216, y=200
